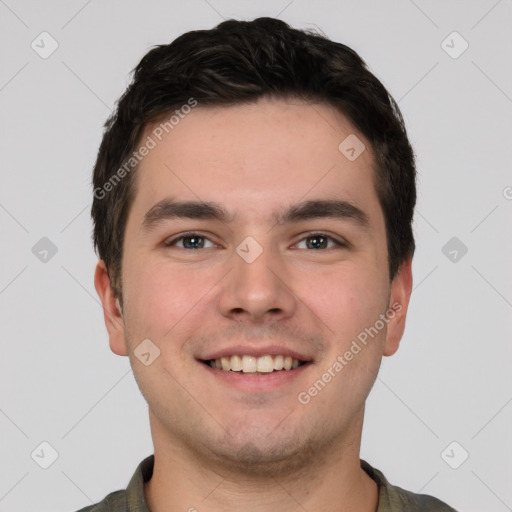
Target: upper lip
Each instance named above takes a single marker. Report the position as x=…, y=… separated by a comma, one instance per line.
x=259, y=351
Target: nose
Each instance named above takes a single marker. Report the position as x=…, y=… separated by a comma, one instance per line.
x=258, y=291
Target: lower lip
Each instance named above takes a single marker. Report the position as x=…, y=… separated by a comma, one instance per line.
x=251, y=382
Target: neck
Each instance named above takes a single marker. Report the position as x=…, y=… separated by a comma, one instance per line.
x=331, y=481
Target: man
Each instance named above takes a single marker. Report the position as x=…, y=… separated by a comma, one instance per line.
x=253, y=202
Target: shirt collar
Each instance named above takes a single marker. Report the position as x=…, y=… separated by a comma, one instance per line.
x=136, y=499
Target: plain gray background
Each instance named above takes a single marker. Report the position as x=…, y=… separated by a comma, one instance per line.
x=449, y=382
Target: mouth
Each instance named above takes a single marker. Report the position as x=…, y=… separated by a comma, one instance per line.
x=263, y=365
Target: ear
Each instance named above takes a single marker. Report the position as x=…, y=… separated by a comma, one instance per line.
x=401, y=288
x=111, y=310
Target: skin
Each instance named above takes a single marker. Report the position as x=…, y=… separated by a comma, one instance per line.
x=218, y=447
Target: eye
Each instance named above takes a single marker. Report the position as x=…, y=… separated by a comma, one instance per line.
x=321, y=241
x=190, y=241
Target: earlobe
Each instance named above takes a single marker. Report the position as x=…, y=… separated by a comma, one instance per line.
x=401, y=288
x=112, y=311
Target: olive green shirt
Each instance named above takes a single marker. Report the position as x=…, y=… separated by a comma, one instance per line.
x=391, y=498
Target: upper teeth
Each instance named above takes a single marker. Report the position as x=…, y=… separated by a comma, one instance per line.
x=251, y=364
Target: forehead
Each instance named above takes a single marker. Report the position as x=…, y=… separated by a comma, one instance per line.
x=255, y=157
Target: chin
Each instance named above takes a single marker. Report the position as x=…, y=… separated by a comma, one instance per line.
x=267, y=455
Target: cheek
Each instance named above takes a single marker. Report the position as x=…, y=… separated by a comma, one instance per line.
x=160, y=296
x=349, y=299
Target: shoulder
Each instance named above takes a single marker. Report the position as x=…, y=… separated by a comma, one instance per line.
x=394, y=498
x=113, y=502
x=131, y=499
x=401, y=499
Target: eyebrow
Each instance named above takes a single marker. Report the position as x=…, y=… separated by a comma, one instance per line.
x=316, y=209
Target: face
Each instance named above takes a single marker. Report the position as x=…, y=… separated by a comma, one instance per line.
x=285, y=256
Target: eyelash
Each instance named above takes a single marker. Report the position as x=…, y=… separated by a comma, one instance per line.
x=193, y=234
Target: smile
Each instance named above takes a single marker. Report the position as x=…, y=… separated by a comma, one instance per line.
x=255, y=365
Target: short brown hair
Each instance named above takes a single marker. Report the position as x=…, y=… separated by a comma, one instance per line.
x=240, y=62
